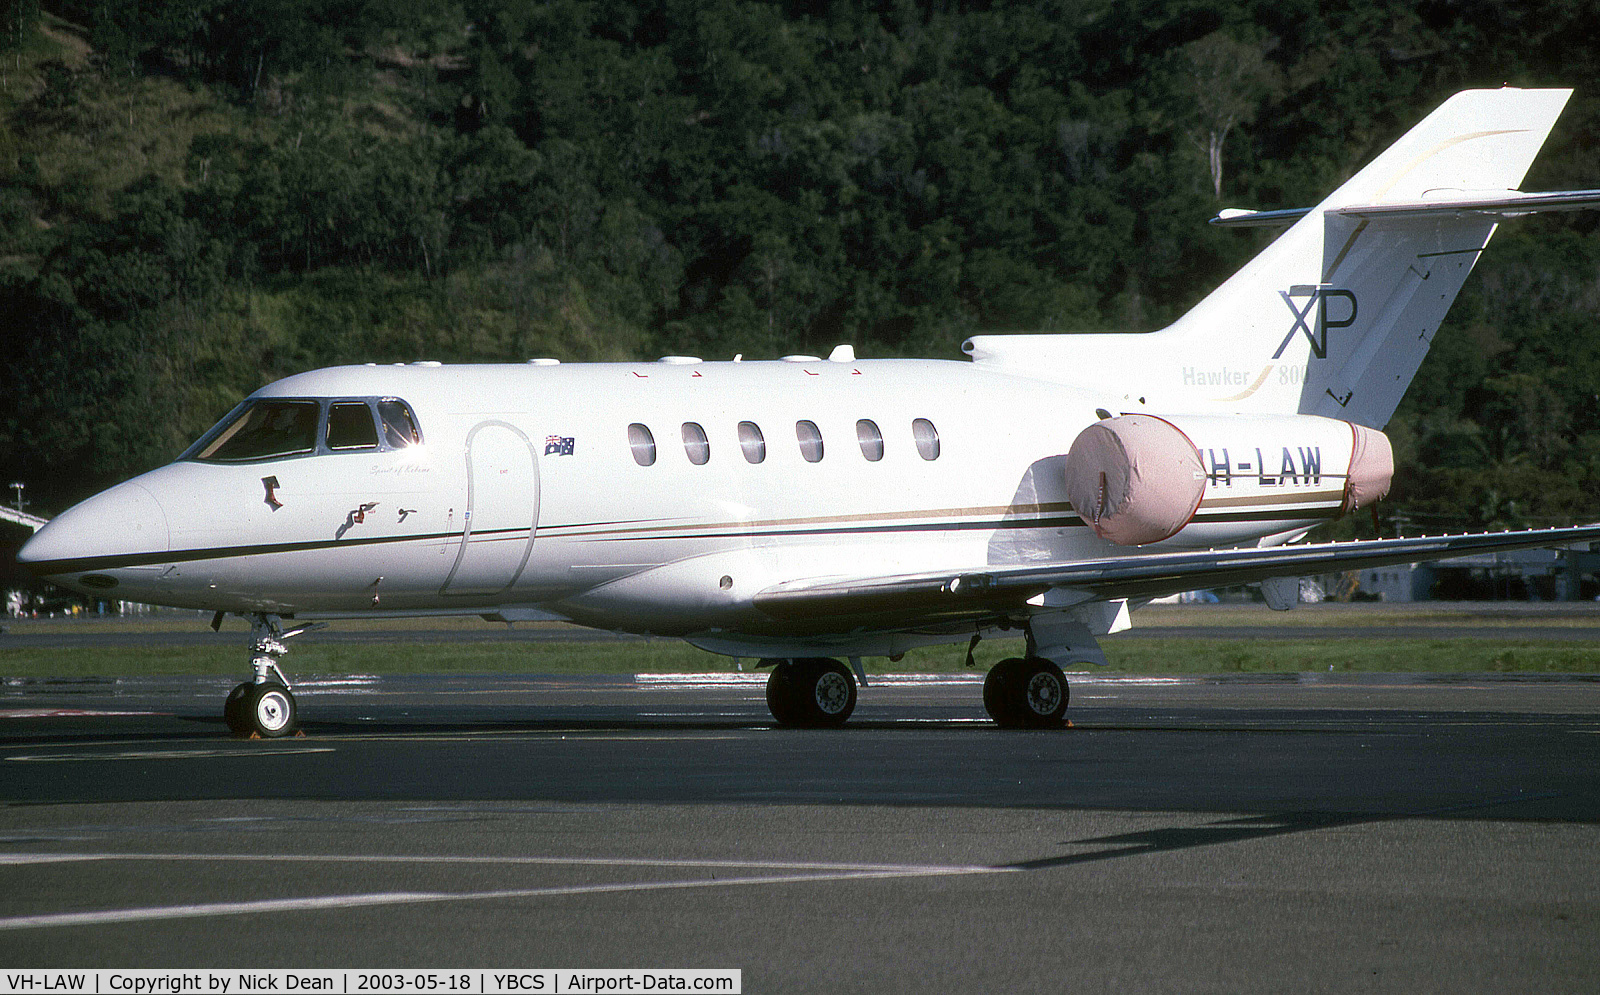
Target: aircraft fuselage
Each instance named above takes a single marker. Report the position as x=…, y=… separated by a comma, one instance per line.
x=530, y=488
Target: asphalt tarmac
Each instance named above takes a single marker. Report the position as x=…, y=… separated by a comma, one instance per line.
x=1252, y=833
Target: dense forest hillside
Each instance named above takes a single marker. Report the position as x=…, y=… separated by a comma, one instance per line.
x=200, y=196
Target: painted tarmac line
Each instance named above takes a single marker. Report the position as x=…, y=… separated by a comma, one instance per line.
x=326, y=902
x=205, y=754
x=68, y=713
x=381, y=858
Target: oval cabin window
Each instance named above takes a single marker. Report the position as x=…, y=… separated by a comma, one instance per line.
x=752, y=442
x=870, y=438
x=810, y=440
x=695, y=443
x=642, y=443
x=927, y=438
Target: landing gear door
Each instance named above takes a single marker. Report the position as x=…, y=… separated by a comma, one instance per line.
x=502, y=511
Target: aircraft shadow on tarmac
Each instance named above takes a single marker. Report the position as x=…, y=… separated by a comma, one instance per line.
x=1261, y=772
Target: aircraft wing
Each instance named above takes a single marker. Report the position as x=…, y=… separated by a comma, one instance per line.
x=22, y=518
x=995, y=591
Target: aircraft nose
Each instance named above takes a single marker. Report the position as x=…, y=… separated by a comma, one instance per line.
x=114, y=528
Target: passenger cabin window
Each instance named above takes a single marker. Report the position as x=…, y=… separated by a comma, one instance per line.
x=870, y=438
x=350, y=426
x=399, y=428
x=927, y=438
x=810, y=440
x=265, y=430
x=642, y=443
x=695, y=444
x=752, y=442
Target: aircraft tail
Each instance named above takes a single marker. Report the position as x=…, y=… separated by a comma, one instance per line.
x=1335, y=316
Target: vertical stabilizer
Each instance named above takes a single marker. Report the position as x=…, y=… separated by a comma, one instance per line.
x=1335, y=316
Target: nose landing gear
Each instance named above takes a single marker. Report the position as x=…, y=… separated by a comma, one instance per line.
x=264, y=708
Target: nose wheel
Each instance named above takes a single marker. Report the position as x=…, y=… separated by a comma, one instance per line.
x=263, y=708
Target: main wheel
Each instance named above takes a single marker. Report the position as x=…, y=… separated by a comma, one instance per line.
x=999, y=698
x=233, y=710
x=812, y=693
x=1026, y=694
x=269, y=710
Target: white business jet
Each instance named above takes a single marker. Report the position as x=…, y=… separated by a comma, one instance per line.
x=808, y=509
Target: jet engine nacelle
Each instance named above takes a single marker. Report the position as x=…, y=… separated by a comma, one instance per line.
x=1141, y=478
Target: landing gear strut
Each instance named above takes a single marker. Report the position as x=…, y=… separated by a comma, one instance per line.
x=264, y=707
x=813, y=693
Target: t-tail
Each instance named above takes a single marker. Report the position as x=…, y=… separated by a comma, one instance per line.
x=1335, y=316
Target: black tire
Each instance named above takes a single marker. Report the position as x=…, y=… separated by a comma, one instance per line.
x=233, y=710
x=1041, y=695
x=813, y=693
x=1026, y=694
x=269, y=710
x=781, y=694
x=999, y=698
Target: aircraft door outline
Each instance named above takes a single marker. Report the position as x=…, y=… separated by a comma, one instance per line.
x=495, y=450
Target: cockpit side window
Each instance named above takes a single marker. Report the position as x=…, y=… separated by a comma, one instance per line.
x=399, y=428
x=264, y=430
x=350, y=426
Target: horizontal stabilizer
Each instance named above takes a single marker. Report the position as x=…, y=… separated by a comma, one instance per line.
x=1506, y=204
x=1235, y=217
x=1510, y=204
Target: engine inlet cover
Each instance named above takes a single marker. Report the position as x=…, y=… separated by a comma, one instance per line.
x=1135, y=479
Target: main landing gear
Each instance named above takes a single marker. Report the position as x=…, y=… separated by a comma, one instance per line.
x=264, y=707
x=810, y=693
x=819, y=693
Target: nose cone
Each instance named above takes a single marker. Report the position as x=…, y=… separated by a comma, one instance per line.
x=124, y=526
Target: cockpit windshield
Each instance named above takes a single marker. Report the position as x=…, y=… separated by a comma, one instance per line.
x=276, y=428
x=264, y=430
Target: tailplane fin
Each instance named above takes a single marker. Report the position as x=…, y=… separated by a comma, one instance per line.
x=1335, y=316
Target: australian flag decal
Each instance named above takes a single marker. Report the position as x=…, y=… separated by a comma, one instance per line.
x=558, y=445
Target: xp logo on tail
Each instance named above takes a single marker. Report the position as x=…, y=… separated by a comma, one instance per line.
x=1317, y=298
